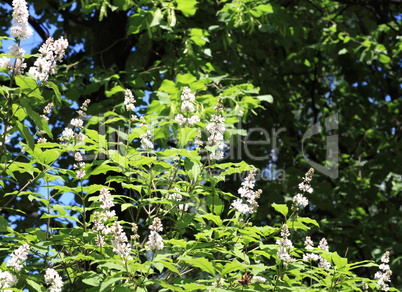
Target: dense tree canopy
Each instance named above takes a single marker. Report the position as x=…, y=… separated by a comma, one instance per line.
x=306, y=59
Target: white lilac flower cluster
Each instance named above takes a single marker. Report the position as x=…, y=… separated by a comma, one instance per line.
x=285, y=245
x=7, y=280
x=101, y=218
x=216, y=128
x=155, y=241
x=146, y=140
x=305, y=187
x=187, y=106
x=178, y=198
x=246, y=191
x=46, y=111
x=118, y=239
x=383, y=277
x=79, y=166
x=53, y=279
x=323, y=245
x=21, y=31
x=129, y=100
x=259, y=279
x=51, y=51
x=18, y=256
x=69, y=134
x=120, y=243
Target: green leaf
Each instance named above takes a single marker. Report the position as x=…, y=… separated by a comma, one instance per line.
x=234, y=265
x=338, y=261
x=187, y=7
x=267, y=8
x=92, y=279
x=28, y=86
x=384, y=58
x=186, y=134
x=343, y=51
x=158, y=16
x=55, y=90
x=169, y=266
x=201, y=263
x=216, y=219
x=281, y=208
x=26, y=134
x=170, y=287
x=186, y=79
x=105, y=285
x=308, y=221
x=138, y=21
x=215, y=204
x=48, y=157
x=193, y=169
x=4, y=224
x=267, y=98
x=36, y=118
x=114, y=90
x=34, y=285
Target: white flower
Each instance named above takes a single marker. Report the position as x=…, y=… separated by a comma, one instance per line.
x=77, y=123
x=216, y=128
x=187, y=95
x=323, y=244
x=21, y=29
x=183, y=207
x=120, y=242
x=155, y=241
x=6, y=63
x=107, y=201
x=299, y=200
x=187, y=106
x=145, y=142
x=305, y=187
x=193, y=119
x=308, y=243
x=259, y=279
x=324, y=263
x=129, y=100
x=246, y=192
x=130, y=107
x=383, y=277
x=16, y=51
x=80, y=137
x=67, y=134
x=59, y=48
x=7, y=280
x=284, y=245
x=78, y=156
x=241, y=207
x=311, y=257
x=175, y=196
x=53, y=279
x=156, y=225
x=46, y=64
x=385, y=257
x=80, y=174
x=18, y=256
x=42, y=140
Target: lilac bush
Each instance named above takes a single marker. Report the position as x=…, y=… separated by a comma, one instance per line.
x=191, y=236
